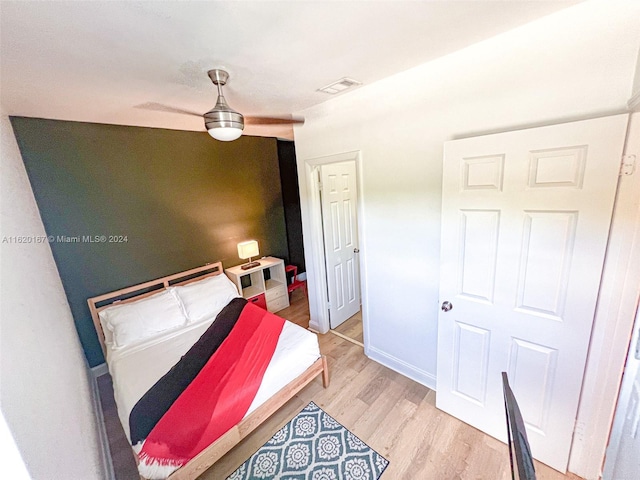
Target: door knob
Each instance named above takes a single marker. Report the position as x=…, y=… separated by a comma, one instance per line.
x=356, y=250
x=446, y=306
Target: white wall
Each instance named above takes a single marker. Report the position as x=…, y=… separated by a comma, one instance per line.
x=575, y=64
x=45, y=395
x=12, y=463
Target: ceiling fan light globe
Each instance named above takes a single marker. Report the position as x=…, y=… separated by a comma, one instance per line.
x=225, y=134
x=224, y=125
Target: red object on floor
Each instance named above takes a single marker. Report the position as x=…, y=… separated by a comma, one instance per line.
x=295, y=282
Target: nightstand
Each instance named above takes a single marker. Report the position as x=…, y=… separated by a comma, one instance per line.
x=267, y=279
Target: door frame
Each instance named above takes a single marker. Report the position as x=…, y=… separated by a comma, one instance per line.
x=624, y=400
x=612, y=329
x=314, y=241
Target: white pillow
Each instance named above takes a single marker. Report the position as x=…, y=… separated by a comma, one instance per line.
x=108, y=336
x=133, y=322
x=205, y=298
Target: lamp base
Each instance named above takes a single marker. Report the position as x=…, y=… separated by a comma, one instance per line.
x=247, y=266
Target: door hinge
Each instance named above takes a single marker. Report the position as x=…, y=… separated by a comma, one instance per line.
x=578, y=431
x=328, y=305
x=628, y=165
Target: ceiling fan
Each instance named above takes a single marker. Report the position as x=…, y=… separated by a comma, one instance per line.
x=223, y=122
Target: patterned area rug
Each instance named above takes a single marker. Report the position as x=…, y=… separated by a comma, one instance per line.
x=313, y=446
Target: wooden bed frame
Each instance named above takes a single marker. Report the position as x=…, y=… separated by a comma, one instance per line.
x=226, y=442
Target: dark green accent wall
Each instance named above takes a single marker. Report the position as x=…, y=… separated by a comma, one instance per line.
x=182, y=199
x=291, y=202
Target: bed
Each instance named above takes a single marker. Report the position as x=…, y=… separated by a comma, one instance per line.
x=149, y=330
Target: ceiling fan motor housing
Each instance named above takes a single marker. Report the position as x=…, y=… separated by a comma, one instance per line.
x=222, y=115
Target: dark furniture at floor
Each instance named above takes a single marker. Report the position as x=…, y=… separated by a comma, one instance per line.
x=519, y=450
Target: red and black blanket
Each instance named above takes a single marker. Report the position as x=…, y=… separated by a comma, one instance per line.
x=207, y=392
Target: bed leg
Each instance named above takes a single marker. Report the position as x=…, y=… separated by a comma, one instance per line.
x=325, y=372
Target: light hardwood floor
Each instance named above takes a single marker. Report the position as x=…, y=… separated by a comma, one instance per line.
x=394, y=415
x=352, y=328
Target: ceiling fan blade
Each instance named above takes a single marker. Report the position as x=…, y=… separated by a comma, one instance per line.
x=159, y=107
x=273, y=121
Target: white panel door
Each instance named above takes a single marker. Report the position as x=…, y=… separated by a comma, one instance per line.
x=339, y=220
x=526, y=218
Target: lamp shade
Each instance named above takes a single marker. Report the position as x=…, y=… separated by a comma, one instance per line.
x=248, y=249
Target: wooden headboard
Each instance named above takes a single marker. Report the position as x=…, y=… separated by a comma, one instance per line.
x=136, y=292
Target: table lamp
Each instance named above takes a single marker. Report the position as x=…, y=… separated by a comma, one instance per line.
x=246, y=250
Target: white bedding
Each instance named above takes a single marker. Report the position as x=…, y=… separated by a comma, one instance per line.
x=135, y=369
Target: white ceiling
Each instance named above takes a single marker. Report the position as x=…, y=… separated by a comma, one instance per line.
x=107, y=62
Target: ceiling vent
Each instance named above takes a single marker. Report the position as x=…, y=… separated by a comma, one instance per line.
x=339, y=86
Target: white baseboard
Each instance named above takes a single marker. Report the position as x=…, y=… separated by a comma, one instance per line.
x=99, y=370
x=402, y=367
x=105, y=451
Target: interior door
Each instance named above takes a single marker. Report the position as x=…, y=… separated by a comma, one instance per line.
x=526, y=217
x=339, y=220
